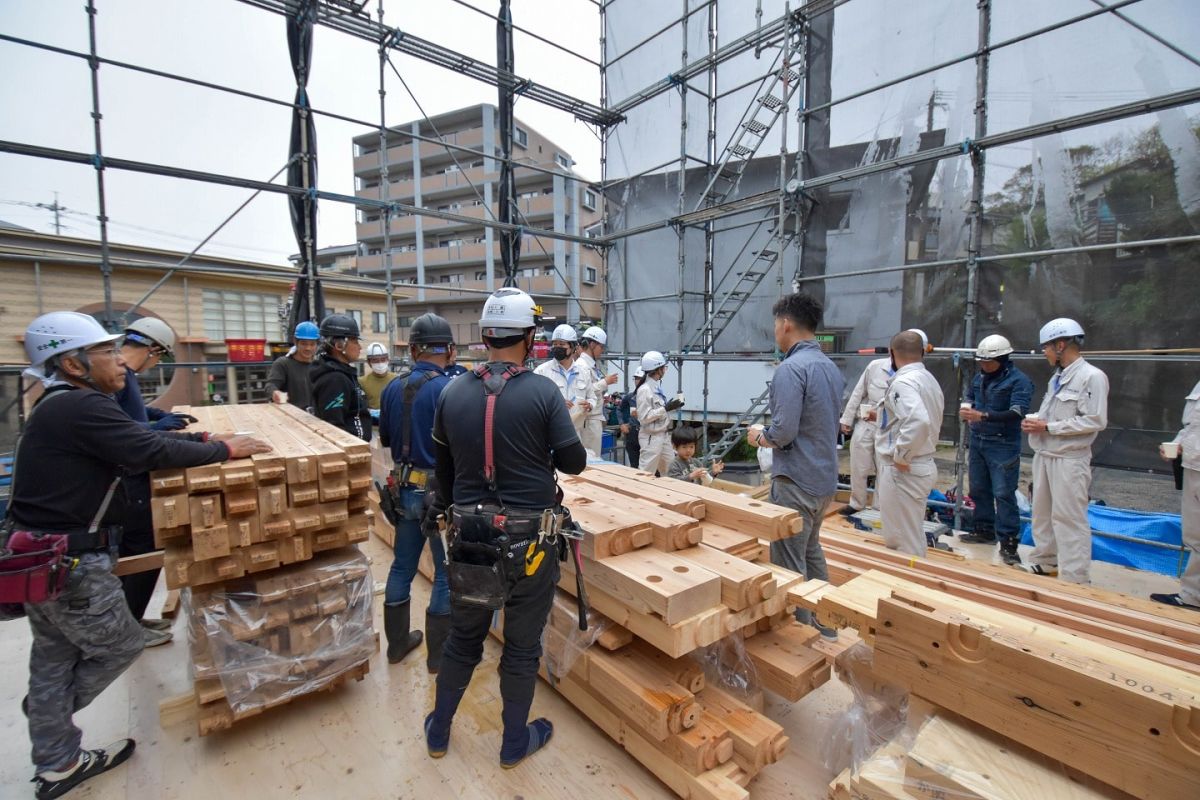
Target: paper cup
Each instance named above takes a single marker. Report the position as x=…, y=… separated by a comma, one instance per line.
x=964, y=406
x=864, y=410
x=1034, y=415
x=1170, y=450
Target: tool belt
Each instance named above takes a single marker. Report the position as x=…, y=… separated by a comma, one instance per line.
x=408, y=475
x=490, y=549
x=35, y=565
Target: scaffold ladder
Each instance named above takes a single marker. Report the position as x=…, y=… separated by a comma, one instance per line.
x=733, y=434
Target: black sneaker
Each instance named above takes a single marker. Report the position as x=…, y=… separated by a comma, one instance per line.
x=978, y=538
x=848, y=511
x=1008, y=552
x=90, y=764
x=1173, y=600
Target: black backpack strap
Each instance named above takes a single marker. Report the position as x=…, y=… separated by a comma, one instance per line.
x=412, y=385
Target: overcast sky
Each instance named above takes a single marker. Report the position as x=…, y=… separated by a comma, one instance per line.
x=47, y=101
x=46, y=97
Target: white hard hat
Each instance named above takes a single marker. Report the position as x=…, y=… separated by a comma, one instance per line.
x=639, y=373
x=152, y=329
x=921, y=333
x=597, y=335
x=1061, y=328
x=653, y=360
x=376, y=349
x=993, y=346
x=564, y=333
x=61, y=332
x=508, y=312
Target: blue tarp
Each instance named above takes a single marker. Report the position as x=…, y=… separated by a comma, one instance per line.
x=1152, y=527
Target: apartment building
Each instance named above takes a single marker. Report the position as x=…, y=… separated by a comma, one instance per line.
x=452, y=265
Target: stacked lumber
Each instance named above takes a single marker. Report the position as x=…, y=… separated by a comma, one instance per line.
x=671, y=566
x=277, y=595
x=1127, y=720
x=222, y=521
x=1167, y=635
x=262, y=641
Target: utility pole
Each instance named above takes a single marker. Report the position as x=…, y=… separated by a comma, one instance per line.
x=56, y=208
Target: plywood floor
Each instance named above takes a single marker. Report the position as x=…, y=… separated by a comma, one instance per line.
x=365, y=741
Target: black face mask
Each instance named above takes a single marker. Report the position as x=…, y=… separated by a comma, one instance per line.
x=560, y=353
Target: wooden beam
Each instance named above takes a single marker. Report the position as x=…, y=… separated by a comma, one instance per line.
x=131, y=565
x=1137, y=729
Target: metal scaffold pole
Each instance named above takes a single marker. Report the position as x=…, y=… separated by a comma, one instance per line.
x=680, y=230
x=975, y=242
x=386, y=217
x=710, y=244
x=98, y=163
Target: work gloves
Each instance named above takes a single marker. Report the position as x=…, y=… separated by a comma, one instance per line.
x=674, y=403
x=172, y=422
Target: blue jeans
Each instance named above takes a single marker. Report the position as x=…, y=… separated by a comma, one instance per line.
x=995, y=468
x=407, y=552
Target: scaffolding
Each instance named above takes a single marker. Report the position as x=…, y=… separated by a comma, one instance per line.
x=796, y=211
x=771, y=188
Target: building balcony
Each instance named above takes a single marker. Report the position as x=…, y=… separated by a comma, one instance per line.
x=438, y=185
x=532, y=208
x=401, y=155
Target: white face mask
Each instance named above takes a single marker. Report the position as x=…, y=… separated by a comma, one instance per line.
x=379, y=369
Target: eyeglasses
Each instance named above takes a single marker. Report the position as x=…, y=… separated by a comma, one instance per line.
x=113, y=350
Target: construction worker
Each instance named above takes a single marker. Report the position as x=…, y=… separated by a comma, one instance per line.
x=76, y=446
x=587, y=390
x=805, y=393
x=290, y=379
x=630, y=427
x=1187, y=443
x=653, y=409
x=406, y=426
x=910, y=420
x=867, y=394
x=146, y=341
x=998, y=399
x=559, y=367
x=378, y=375
x=500, y=433
x=337, y=397
x=1073, y=412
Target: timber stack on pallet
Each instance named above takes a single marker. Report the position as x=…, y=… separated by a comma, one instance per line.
x=261, y=543
x=1085, y=705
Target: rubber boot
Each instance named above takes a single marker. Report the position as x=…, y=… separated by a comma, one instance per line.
x=437, y=628
x=437, y=722
x=400, y=639
x=521, y=740
x=1008, y=551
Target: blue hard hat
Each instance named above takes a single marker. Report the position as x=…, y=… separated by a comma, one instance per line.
x=307, y=330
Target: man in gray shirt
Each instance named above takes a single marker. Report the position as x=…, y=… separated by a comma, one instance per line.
x=806, y=396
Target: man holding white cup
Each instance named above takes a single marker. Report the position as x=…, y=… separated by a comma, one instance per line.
x=1073, y=412
x=1187, y=445
x=867, y=395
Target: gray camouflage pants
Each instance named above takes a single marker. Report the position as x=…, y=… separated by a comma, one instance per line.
x=82, y=641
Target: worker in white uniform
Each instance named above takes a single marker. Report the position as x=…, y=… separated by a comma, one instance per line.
x=653, y=412
x=869, y=391
x=910, y=420
x=587, y=390
x=1188, y=440
x=1073, y=412
x=560, y=366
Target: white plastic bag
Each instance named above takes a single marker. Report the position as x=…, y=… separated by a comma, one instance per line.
x=765, y=460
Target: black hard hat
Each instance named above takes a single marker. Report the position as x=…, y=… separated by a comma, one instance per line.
x=337, y=326
x=429, y=328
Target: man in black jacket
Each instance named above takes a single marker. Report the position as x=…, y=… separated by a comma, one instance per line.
x=337, y=397
x=76, y=446
x=499, y=433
